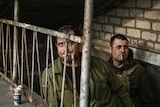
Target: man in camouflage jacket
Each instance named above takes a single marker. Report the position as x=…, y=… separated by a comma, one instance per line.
x=134, y=77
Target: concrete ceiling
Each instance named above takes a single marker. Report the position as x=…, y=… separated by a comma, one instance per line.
x=53, y=13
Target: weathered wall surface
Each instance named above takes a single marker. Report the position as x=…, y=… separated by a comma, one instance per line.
x=139, y=20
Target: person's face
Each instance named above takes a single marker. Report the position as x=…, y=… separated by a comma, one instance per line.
x=119, y=50
x=72, y=47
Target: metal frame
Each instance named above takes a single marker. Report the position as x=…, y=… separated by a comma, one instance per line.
x=85, y=68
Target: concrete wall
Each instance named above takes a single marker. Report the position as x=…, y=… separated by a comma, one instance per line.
x=139, y=20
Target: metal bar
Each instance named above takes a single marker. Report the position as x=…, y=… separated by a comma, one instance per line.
x=74, y=81
x=22, y=56
x=3, y=53
x=16, y=10
x=26, y=59
x=33, y=54
x=84, y=92
x=6, y=50
x=46, y=79
x=53, y=71
x=14, y=55
x=64, y=73
x=38, y=62
x=73, y=77
x=43, y=30
x=15, y=40
x=10, y=54
x=18, y=64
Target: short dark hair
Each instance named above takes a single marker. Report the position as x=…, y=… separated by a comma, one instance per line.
x=117, y=36
x=66, y=28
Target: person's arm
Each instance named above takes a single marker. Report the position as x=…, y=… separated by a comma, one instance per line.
x=145, y=88
x=48, y=92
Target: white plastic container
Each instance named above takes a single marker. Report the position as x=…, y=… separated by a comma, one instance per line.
x=17, y=95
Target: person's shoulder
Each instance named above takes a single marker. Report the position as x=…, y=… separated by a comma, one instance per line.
x=56, y=62
x=95, y=59
x=98, y=63
x=141, y=70
x=140, y=65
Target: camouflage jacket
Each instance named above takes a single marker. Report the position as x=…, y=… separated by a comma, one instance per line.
x=137, y=82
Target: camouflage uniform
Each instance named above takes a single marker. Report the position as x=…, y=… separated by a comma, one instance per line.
x=137, y=82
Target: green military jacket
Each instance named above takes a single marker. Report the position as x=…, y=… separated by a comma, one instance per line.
x=140, y=88
x=105, y=90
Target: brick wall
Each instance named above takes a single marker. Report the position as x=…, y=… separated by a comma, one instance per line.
x=139, y=20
